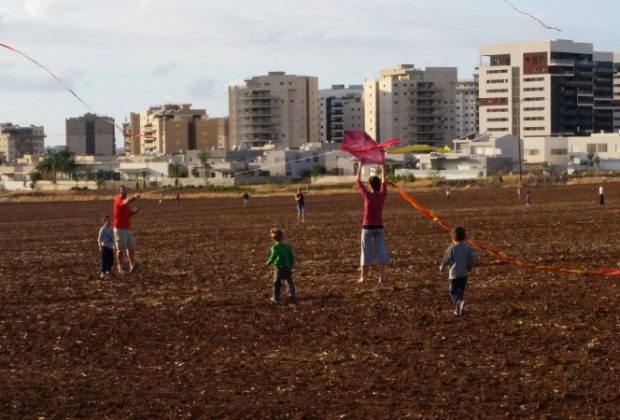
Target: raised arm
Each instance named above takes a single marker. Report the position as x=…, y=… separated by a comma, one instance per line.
x=383, y=174
x=131, y=199
x=359, y=171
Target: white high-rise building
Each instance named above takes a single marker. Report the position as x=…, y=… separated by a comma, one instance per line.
x=416, y=105
x=342, y=109
x=545, y=88
x=277, y=109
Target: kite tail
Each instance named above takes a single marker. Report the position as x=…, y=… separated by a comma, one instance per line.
x=605, y=272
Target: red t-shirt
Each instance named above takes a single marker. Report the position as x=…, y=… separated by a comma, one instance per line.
x=122, y=215
x=373, y=205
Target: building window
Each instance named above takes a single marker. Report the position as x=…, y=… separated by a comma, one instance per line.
x=532, y=152
x=557, y=152
x=601, y=147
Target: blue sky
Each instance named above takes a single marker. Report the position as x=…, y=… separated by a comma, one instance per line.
x=124, y=56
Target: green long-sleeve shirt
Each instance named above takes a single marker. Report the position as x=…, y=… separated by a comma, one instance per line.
x=281, y=255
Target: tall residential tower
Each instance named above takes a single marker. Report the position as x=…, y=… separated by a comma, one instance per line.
x=416, y=105
x=277, y=109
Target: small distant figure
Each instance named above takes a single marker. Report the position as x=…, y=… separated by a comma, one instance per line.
x=282, y=259
x=161, y=199
x=519, y=191
x=500, y=179
x=460, y=258
x=106, y=248
x=447, y=195
x=528, y=198
x=601, y=196
x=246, y=199
x=300, y=200
x=178, y=199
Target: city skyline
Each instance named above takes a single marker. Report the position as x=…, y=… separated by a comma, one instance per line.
x=123, y=58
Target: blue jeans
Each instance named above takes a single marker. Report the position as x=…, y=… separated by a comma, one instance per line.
x=457, y=288
x=373, y=239
x=107, y=259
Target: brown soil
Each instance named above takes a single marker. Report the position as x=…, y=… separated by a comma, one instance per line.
x=193, y=333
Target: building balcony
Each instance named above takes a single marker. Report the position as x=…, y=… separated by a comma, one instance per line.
x=252, y=131
x=257, y=94
x=561, y=62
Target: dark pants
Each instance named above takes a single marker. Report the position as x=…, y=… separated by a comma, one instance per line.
x=286, y=274
x=457, y=288
x=601, y=199
x=107, y=259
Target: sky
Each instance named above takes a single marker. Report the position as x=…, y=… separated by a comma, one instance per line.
x=124, y=56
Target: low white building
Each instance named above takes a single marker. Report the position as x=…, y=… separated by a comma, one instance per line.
x=601, y=150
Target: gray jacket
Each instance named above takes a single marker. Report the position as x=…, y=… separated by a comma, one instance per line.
x=460, y=258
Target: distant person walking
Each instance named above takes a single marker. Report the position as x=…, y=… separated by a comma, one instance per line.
x=460, y=258
x=282, y=259
x=373, y=235
x=447, y=195
x=105, y=239
x=601, y=196
x=123, y=237
x=178, y=199
x=528, y=198
x=246, y=199
x=300, y=200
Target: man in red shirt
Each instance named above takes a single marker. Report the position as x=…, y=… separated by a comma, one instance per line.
x=123, y=237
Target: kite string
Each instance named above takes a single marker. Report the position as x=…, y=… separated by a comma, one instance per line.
x=248, y=171
x=532, y=16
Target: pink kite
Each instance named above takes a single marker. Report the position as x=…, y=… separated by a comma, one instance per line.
x=364, y=148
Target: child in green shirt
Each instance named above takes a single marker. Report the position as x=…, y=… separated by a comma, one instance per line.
x=282, y=259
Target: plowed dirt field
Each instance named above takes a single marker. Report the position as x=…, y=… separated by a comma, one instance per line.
x=193, y=333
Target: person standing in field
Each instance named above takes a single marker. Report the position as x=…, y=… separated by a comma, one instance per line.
x=246, y=199
x=106, y=247
x=282, y=259
x=373, y=235
x=460, y=258
x=528, y=198
x=601, y=196
x=123, y=237
x=300, y=200
x=447, y=195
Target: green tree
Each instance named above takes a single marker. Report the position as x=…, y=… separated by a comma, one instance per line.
x=177, y=171
x=203, y=157
x=318, y=170
x=61, y=162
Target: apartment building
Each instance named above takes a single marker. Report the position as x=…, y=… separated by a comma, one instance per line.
x=416, y=105
x=16, y=142
x=218, y=135
x=91, y=135
x=545, y=88
x=277, y=109
x=466, y=107
x=617, y=92
x=167, y=129
x=341, y=109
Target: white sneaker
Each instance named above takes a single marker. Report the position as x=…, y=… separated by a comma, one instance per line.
x=461, y=306
x=120, y=270
x=102, y=275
